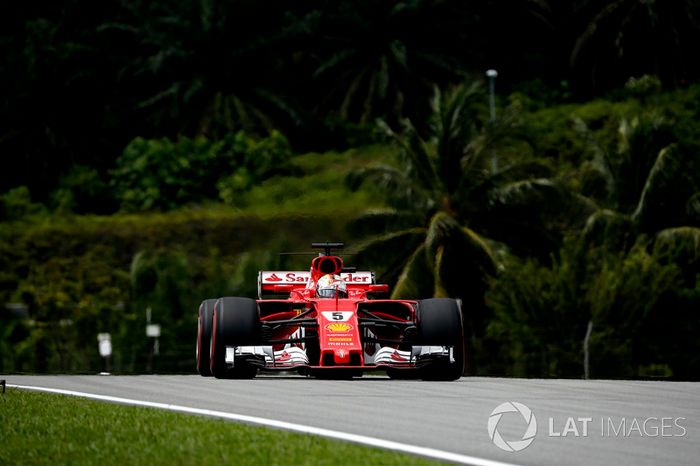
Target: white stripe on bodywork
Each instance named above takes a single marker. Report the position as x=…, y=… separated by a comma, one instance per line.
x=334, y=434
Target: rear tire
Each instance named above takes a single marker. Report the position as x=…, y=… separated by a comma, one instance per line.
x=440, y=324
x=205, y=320
x=236, y=323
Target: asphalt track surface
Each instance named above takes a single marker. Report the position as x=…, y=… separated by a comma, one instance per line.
x=448, y=416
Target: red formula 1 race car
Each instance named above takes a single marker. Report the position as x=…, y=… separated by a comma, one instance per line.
x=327, y=325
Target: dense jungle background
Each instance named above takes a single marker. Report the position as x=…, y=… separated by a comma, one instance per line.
x=156, y=153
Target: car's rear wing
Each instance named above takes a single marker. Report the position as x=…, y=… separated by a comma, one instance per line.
x=269, y=281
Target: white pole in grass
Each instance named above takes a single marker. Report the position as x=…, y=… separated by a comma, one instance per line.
x=492, y=74
x=104, y=342
x=586, y=351
x=152, y=331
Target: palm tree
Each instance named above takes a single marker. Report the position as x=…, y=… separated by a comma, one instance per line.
x=438, y=196
x=645, y=184
x=648, y=191
x=621, y=272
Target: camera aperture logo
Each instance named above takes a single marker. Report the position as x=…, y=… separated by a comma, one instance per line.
x=571, y=426
x=530, y=432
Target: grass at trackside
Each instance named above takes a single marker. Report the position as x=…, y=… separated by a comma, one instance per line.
x=38, y=428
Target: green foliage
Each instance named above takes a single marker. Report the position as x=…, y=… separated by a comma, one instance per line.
x=537, y=325
x=70, y=299
x=321, y=189
x=158, y=278
x=643, y=86
x=667, y=197
x=636, y=300
x=83, y=191
x=17, y=204
x=643, y=181
x=541, y=313
x=623, y=297
x=164, y=174
x=681, y=246
x=256, y=161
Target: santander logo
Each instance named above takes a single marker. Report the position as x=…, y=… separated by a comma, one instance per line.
x=359, y=278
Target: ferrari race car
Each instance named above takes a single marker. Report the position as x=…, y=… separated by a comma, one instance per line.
x=325, y=323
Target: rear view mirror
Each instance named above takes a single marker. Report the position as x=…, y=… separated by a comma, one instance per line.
x=383, y=288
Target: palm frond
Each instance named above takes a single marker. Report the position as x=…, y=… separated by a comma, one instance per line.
x=385, y=176
x=334, y=61
x=641, y=137
x=416, y=280
x=466, y=251
x=600, y=161
x=389, y=252
x=507, y=128
x=452, y=130
x=442, y=229
x=482, y=185
x=533, y=216
x=609, y=228
x=421, y=161
x=594, y=25
x=533, y=191
x=460, y=268
x=353, y=88
x=680, y=245
x=661, y=178
x=169, y=93
x=526, y=170
x=398, y=53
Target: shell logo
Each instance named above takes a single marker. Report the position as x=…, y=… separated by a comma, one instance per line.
x=339, y=327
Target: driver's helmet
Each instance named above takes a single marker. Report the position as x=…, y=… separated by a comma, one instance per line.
x=328, y=285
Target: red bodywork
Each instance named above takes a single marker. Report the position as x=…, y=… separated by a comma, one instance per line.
x=334, y=333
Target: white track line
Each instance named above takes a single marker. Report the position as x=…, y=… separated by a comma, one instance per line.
x=386, y=444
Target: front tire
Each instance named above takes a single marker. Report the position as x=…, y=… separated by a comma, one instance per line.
x=236, y=322
x=204, y=327
x=440, y=324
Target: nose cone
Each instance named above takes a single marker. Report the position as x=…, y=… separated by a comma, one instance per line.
x=341, y=356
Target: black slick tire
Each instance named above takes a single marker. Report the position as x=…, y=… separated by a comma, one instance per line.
x=236, y=322
x=204, y=326
x=440, y=324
